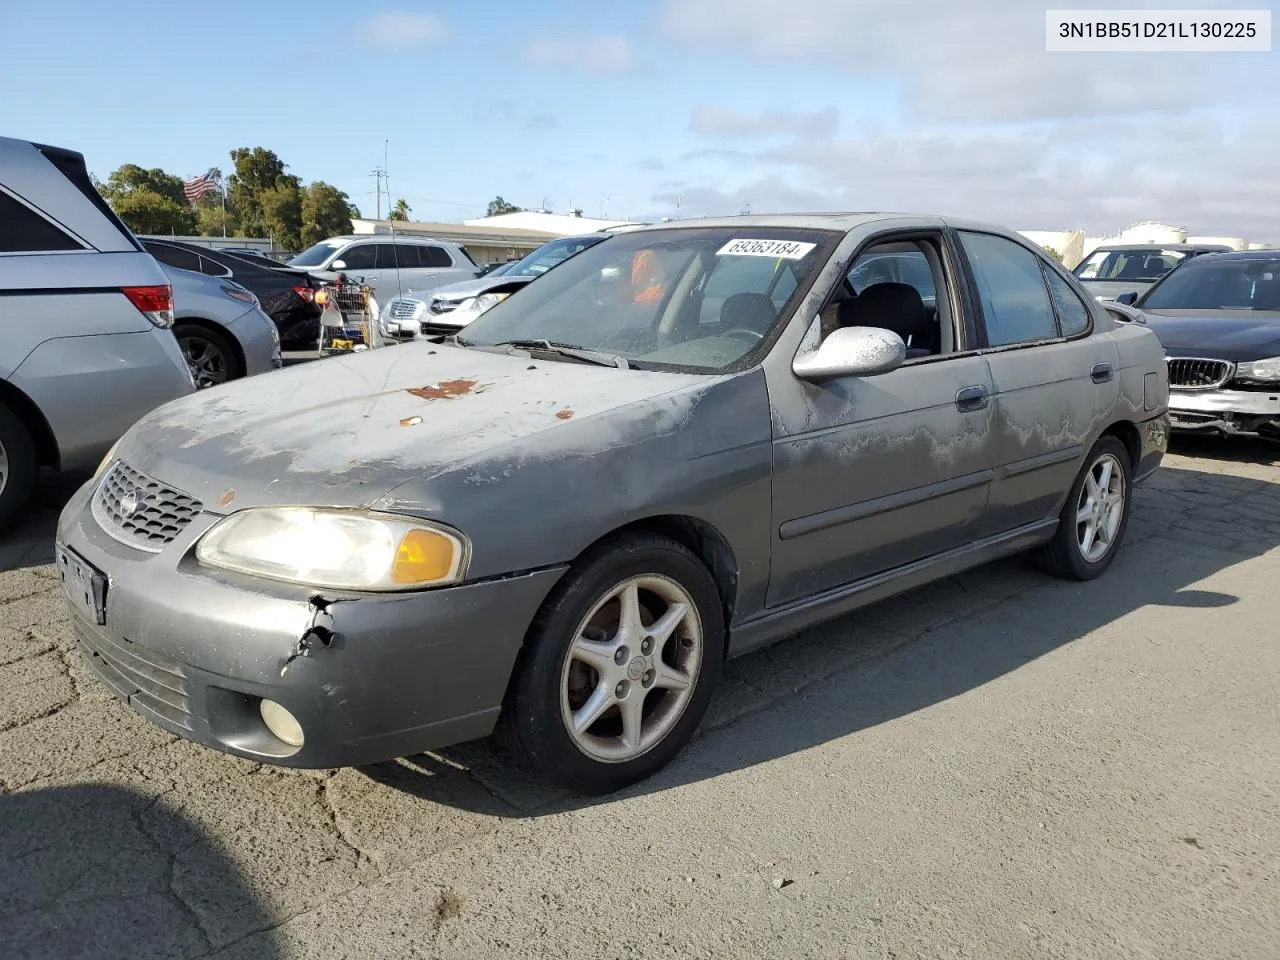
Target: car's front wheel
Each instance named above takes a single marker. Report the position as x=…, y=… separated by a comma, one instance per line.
x=1095, y=516
x=18, y=466
x=619, y=666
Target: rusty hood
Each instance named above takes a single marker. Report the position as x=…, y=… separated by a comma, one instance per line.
x=349, y=431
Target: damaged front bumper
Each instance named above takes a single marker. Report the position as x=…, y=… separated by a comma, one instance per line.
x=1232, y=412
x=368, y=677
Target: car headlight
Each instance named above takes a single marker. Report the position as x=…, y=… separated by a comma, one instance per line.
x=339, y=549
x=1268, y=369
x=481, y=303
x=106, y=461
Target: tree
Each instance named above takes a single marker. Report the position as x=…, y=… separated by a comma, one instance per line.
x=498, y=206
x=149, y=201
x=400, y=211
x=1053, y=252
x=326, y=212
x=260, y=172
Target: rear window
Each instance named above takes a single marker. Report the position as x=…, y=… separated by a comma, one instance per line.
x=173, y=256
x=22, y=230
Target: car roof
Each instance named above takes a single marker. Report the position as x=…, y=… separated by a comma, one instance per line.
x=385, y=238
x=1241, y=255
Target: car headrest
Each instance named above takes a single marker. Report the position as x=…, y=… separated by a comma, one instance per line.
x=893, y=306
x=754, y=311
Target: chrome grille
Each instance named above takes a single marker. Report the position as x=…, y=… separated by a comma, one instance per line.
x=443, y=306
x=143, y=677
x=439, y=329
x=1193, y=373
x=140, y=511
x=403, y=309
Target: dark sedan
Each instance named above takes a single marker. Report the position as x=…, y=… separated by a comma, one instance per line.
x=287, y=295
x=1218, y=317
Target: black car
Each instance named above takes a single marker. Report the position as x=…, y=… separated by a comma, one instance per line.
x=287, y=294
x=1218, y=317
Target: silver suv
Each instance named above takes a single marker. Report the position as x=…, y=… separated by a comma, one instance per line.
x=84, y=315
x=390, y=265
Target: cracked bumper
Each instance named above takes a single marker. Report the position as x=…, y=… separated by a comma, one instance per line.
x=195, y=652
x=1242, y=412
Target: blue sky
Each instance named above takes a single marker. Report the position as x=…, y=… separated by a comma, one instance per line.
x=855, y=104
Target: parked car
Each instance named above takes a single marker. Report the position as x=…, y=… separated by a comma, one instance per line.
x=564, y=522
x=495, y=269
x=221, y=328
x=286, y=295
x=388, y=266
x=445, y=310
x=84, y=315
x=1218, y=317
x=1133, y=267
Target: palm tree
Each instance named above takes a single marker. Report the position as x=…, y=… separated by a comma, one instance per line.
x=400, y=211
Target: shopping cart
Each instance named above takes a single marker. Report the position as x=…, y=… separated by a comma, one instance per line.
x=347, y=318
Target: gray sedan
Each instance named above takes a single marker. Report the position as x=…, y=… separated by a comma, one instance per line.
x=684, y=443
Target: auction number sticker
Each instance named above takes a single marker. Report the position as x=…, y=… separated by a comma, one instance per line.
x=1158, y=31
x=782, y=249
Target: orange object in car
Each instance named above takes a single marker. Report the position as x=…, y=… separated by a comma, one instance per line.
x=646, y=277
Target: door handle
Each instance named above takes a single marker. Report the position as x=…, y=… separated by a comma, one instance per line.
x=972, y=398
x=1101, y=372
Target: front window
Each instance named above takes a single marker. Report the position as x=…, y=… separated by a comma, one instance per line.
x=314, y=256
x=1140, y=266
x=1206, y=284
x=548, y=255
x=698, y=299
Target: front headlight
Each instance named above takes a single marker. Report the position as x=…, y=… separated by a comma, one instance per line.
x=111, y=455
x=1268, y=369
x=481, y=303
x=339, y=549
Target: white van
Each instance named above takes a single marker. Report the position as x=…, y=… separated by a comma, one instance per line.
x=388, y=266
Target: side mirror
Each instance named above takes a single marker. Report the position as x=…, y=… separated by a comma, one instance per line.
x=853, y=352
x=1128, y=299
x=338, y=265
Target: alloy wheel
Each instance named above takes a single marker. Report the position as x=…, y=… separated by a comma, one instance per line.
x=207, y=363
x=631, y=668
x=4, y=467
x=1100, y=508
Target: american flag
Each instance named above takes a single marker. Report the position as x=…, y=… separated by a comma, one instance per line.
x=197, y=187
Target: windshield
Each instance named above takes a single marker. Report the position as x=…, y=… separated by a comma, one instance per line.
x=548, y=255
x=1219, y=285
x=698, y=299
x=314, y=256
x=1141, y=266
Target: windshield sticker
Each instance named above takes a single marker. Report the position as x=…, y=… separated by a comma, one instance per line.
x=783, y=249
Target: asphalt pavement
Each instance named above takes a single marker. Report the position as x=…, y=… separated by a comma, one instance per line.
x=999, y=765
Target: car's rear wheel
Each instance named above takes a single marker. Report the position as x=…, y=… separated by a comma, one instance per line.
x=1095, y=516
x=209, y=355
x=619, y=666
x=18, y=466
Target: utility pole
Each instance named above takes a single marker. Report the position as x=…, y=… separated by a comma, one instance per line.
x=378, y=173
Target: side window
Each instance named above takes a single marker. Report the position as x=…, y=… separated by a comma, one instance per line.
x=173, y=256
x=435, y=257
x=392, y=255
x=358, y=257
x=1015, y=303
x=22, y=230
x=213, y=268
x=1073, y=315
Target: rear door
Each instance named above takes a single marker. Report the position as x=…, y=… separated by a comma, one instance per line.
x=1055, y=381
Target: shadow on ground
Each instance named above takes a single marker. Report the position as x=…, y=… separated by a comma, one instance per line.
x=925, y=647
x=29, y=543
x=88, y=872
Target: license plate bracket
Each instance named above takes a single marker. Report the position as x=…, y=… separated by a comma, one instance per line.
x=83, y=584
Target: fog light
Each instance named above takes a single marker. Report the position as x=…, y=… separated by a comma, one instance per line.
x=281, y=722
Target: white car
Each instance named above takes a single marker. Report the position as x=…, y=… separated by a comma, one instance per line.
x=388, y=266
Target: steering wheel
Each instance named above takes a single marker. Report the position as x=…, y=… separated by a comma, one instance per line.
x=742, y=332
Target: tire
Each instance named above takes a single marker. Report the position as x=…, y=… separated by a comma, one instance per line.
x=18, y=466
x=1065, y=555
x=549, y=683
x=210, y=355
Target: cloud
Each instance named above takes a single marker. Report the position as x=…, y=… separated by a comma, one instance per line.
x=712, y=121
x=1072, y=175
x=602, y=55
x=953, y=61
x=401, y=31
x=541, y=121
x=651, y=165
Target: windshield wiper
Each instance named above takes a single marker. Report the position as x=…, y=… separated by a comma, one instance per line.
x=569, y=350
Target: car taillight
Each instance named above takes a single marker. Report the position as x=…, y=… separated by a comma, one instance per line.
x=154, y=303
x=306, y=293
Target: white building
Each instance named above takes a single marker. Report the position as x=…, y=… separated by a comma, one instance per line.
x=562, y=225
